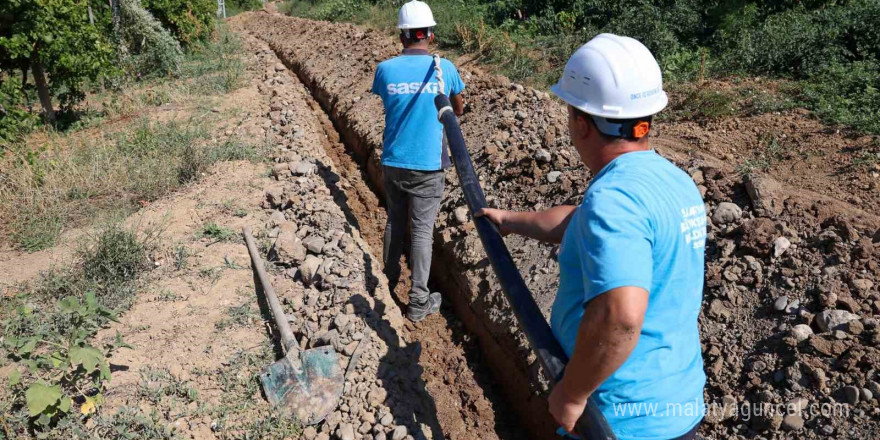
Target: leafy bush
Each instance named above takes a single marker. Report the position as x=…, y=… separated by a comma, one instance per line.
x=236, y=6
x=830, y=47
x=15, y=120
x=153, y=48
x=847, y=94
x=189, y=20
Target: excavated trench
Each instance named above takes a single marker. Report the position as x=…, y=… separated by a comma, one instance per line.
x=520, y=412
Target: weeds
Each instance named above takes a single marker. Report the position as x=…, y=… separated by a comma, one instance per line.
x=772, y=151
x=167, y=295
x=131, y=423
x=867, y=159
x=237, y=316
x=39, y=233
x=211, y=273
x=116, y=256
x=158, y=383
x=704, y=103
x=235, y=415
x=181, y=255
x=218, y=233
x=229, y=264
x=48, y=328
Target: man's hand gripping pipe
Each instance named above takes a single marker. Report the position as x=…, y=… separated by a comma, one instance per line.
x=592, y=424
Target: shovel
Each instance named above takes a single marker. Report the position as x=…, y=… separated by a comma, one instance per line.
x=304, y=384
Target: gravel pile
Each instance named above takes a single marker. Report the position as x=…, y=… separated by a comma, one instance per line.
x=331, y=285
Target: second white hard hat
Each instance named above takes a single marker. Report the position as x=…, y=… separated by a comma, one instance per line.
x=415, y=15
x=613, y=77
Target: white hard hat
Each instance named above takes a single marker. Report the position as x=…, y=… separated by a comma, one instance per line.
x=613, y=77
x=415, y=15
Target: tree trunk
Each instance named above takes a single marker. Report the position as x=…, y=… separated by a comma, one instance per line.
x=27, y=99
x=116, y=18
x=43, y=90
x=91, y=16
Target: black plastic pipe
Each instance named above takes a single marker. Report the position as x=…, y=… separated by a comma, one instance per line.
x=592, y=425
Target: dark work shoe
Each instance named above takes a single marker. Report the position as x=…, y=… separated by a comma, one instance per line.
x=418, y=312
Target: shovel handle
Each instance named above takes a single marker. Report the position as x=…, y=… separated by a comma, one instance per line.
x=287, y=339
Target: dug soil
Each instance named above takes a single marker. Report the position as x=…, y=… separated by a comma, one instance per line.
x=791, y=292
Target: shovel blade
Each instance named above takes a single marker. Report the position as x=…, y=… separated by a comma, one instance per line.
x=306, y=385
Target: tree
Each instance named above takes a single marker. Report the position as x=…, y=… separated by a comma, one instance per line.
x=189, y=21
x=55, y=40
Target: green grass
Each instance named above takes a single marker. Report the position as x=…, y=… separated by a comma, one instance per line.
x=70, y=181
x=67, y=185
x=218, y=233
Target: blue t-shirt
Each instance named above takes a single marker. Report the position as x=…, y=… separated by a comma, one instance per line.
x=407, y=85
x=642, y=223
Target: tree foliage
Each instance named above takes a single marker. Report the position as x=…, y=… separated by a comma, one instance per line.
x=153, y=49
x=57, y=35
x=190, y=21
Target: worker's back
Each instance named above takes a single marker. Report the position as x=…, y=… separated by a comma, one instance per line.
x=407, y=85
x=643, y=224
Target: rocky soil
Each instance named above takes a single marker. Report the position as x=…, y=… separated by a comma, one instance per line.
x=394, y=389
x=793, y=263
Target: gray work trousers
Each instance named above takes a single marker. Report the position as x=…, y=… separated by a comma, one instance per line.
x=415, y=196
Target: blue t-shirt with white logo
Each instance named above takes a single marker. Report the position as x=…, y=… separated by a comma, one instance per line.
x=407, y=85
x=642, y=223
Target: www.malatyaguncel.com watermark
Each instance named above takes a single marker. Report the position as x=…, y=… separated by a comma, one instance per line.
x=739, y=410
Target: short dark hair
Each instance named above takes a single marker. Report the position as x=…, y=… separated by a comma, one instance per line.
x=628, y=126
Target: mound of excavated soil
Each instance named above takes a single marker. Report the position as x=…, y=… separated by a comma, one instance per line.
x=793, y=268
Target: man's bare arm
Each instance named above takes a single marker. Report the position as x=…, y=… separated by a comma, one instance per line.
x=547, y=226
x=608, y=333
x=458, y=104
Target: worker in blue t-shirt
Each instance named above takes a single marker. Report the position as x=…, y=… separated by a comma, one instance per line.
x=414, y=155
x=631, y=255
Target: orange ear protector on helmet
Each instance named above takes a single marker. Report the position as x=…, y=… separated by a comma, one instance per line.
x=641, y=129
x=633, y=129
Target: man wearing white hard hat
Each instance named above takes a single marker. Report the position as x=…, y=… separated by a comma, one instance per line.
x=631, y=255
x=414, y=154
